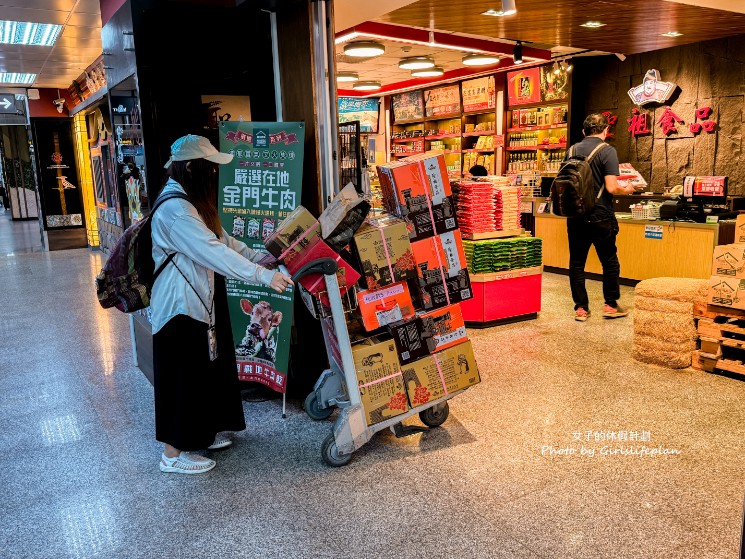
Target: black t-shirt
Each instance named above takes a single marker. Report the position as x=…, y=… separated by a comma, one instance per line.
x=605, y=163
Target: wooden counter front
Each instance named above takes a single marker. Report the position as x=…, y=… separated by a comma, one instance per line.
x=685, y=250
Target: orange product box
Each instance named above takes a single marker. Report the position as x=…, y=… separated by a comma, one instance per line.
x=384, y=306
x=417, y=176
x=441, y=251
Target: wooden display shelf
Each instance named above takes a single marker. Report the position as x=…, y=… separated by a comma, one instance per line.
x=404, y=140
x=442, y=136
x=507, y=274
x=537, y=127
x=493, y=110
x=493, y=234
x=405, y=122
x=446, y=151
x=487, y=150
x=479, y=133
x=407, y=153
x=451, y=116
x=536, y=148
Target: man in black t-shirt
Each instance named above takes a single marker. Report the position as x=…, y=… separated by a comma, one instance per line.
x=600, y=227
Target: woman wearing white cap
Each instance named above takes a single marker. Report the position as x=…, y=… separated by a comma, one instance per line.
x=197, y=395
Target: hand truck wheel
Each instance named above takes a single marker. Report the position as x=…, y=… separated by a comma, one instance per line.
x=331, y=455
x=313, y=410
x=435, y=416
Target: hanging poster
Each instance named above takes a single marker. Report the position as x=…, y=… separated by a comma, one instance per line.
x=478, y=94
x=258, y=189
x=442, y=101
x=524, y=86
x=364, y=110
x=554, y=87
x=60, y=195
x=408, y=106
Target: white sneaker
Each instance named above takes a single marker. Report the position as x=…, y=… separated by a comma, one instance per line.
x=186, y=463
x=221, y=441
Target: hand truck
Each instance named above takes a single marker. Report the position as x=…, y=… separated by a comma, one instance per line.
x=338, y=387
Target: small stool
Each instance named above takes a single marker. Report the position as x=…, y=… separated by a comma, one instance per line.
x=664, y=331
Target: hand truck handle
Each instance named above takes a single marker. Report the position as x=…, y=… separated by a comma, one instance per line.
x=325, y=266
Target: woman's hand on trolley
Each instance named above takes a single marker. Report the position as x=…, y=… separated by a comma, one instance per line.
x=280, y=282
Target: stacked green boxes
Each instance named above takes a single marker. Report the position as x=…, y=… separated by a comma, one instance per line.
x=500, y=255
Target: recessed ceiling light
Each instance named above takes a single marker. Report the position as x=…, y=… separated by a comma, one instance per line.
x=416, y=63
x=508, y=9
x=593, y=24
x=672, y=34
x=12, y=77
x=26, y=33
x=428, y=72
x=347, y=76
x=366, y=86
x=480, y=59
x=364, y=48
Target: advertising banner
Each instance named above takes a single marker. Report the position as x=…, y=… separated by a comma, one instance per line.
x=364, y=110
x=524, y=86
x=258, y=189
x=479, y=94
x=408, y=106
x=442, y=101
x=59, y=190
x=554, y=87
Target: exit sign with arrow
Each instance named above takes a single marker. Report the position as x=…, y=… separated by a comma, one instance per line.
x=8, y=103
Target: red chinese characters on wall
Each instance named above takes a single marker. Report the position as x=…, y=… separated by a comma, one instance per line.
x=612, y=119
x=668, y=120
x=638, y=123
x=706, y=125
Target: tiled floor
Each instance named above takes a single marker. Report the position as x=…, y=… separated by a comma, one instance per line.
x=79, y=461
x=18, y=236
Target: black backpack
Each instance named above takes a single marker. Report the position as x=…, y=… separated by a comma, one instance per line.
x=129, y=273
x=573, y=189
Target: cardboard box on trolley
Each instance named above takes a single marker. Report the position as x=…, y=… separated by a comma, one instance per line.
x=380, y=380
x=440, y=374
x=384, y=306
x=294, y=234
x=384, y=251
x=428, y=333
x=442, y=270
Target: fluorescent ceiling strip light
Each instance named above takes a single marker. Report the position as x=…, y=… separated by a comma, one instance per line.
x=27, y=33
x=12, y=77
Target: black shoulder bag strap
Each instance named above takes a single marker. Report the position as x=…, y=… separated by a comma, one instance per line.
x=590, y=157
x=158, y=202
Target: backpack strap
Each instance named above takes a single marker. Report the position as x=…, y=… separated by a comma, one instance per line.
x=589, y=159
x=158, y=202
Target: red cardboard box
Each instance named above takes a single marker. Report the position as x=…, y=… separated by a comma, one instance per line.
x=384, y=306
x=429, y=332
x=314, y=283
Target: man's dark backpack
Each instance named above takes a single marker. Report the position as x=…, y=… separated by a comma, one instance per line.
x=129, y=274
x=573, y=190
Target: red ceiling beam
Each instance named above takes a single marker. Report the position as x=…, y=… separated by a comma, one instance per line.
x=385, y=31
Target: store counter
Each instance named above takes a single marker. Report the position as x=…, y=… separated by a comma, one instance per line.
x=646, y=249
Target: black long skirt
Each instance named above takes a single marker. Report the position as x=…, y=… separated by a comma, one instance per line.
x=196, y=398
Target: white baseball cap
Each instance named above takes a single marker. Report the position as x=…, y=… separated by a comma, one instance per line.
x=196, y=147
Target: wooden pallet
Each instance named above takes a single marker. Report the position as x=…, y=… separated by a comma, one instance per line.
x=701, y=309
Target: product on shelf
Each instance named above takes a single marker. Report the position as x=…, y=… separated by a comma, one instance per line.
x=380, y=380
x=384, y=251
x=508, y=208
x=476, y=206
x=499, y=255
x=440, y=374
x=442, y=271
x=384, y=306
x=428, y=333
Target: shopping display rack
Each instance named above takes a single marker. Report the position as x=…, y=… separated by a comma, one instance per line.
x=337, y=386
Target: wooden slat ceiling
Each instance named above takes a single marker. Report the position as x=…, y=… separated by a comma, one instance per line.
x=632, y=26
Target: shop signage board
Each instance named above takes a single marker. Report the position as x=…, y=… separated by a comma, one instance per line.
x=442, y=101
x=61, y=197
x=8, y=104
x=652, y=90
x=366, y=111
x=554, y=87
x=653, y=232
x=258, y=189
x=408, y=106
x=479, y=94
x=524, y=86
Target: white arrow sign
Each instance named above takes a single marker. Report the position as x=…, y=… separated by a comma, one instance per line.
x=5, y=103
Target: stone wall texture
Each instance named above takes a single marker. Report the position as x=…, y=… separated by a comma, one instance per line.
x=710, y=74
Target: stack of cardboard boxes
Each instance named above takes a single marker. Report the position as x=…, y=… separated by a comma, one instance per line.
x=413, y=348
x=727, y=282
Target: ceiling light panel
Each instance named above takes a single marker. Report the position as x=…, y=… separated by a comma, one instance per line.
x=480, y=59
x=428, y=72
x=26, y=33
x=416, y=63
x=12, y=77
x=366, y=86
x=672, y=34
x=364, y=48
x=593, y=24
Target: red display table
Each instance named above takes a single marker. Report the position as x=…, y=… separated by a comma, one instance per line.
x=503, y=297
